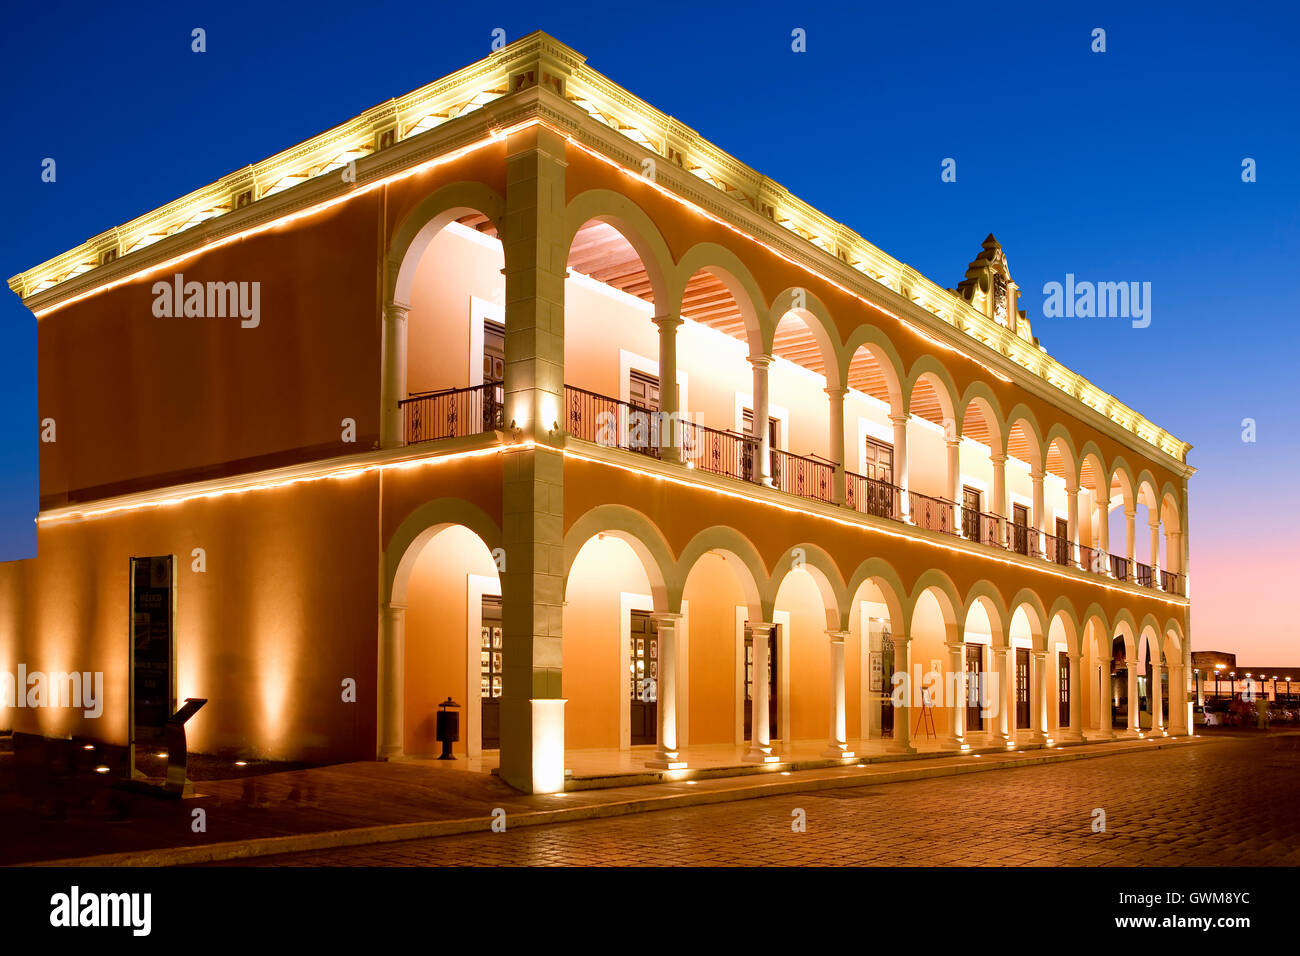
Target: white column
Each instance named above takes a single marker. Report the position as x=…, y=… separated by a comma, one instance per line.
x=1040, y=514
x=762, y=473
x=900, y=463
x=1072, y=494
x=1157, y=698
x=1000, y=723
x=1179, y=719
x=1104, y=725
x=1038, y=696
x=836, y=394
x=669, y=436
x=838, y=745
x=666, y=755
x=1076, y=698
x=954, y=482
x=1130, y=543
x=760, y=737
x=999, y=506
x=903, y=714
x=1102, y=538
x=392, y=646
x=953, y=687
x=1133, y=724
x=1155, y=553
x=394, y=375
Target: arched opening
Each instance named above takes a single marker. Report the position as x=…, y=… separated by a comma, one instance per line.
x=451, y=287
x=1024, y=461
x=1147, y=547
x=720, y=599
x=447, y=595
x=806, y=610
x=803, y=368
x=1094, y=515
x=981, y=482
x=933, y=628
x=934, y=469
x=876, y=433
x=875, y=616
x=985, y=691
x=1060, y=481
x=612, y=647
x=1063, y=678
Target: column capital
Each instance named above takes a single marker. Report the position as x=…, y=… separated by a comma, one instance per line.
x=759, y=361
x=390, y=607
x=666, y=322
x=836, y=391
x=899, y=419
x=998, y=459
x=666, y=617
x=952, y=442
x=396, y=310
x=1039, y=655
x=1036, y=473
x=837, y=637
x=767, y=627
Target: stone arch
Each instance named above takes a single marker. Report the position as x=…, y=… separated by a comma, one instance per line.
x=1122, y=472
x=727, y=267
x=885, y=577
x=1069, y=453
x=876, y=343
x=982, y=397
x=817, y=318
x=950, y=602
x=642, y=536
x=634, y=225
x=1039, y=622
x=425, y=221
x=826, y=575
x=1021, y=415
x=1063, y=611
x=421, y=525
x=928, y=368
x=986, y=594
x=741, y=557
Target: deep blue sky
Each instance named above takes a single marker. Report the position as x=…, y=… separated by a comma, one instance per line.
x=1117, y=166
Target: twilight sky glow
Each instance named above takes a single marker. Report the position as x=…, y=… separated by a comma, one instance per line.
x=1122, y=166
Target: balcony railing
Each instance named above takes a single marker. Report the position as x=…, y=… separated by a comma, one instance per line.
x=981, y=527
x=933, y=514
x=610, y=422
x=1057, y=550
x=805, y=477
x=428, y=416
x=872, y=496
x=618, y=424
x=719, y=452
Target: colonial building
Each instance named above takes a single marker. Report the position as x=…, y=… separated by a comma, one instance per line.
x=517, y=391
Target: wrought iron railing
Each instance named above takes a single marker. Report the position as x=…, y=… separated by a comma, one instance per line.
x=1119, y=567
x=1058, y=550
x=982, y=527
x=1172, y=583
x=610, y=422
x=428, y=416
x=1023, y=539
x=1144, y=575
x=872, y=496
x=933, y=514
x=718, y=452
x=805, y=477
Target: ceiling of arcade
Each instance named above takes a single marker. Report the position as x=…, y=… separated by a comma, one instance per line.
x=600, y=252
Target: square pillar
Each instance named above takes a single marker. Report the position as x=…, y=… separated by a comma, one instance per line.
x=532, y=581
x=392, y=652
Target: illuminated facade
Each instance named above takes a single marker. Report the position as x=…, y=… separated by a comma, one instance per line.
x=464, y=399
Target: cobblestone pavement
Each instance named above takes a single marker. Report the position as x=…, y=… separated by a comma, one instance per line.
x=1226, y=802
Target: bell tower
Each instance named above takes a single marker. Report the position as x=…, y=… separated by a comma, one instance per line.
x=989, y=288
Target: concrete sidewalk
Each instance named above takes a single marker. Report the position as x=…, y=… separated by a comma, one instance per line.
x=368, y=802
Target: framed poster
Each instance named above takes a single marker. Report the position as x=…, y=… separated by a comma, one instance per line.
x=153, y=647
x=877, y=671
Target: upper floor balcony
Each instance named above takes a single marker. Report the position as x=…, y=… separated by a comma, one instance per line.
x=847, y=424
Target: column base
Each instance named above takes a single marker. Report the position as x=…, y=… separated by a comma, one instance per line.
x=761, y=754
x=838, y=750
x=666, y=760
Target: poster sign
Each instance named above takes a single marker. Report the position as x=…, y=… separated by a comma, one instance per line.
x=152, y=647
x=877, y=671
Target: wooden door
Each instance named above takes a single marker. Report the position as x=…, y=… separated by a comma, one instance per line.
x=1063, y=688
x=1022, y=687
x=1020, y=528
x=974, y=681
x=643, y=664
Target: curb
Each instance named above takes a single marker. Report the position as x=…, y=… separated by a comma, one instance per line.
x=398, y=832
